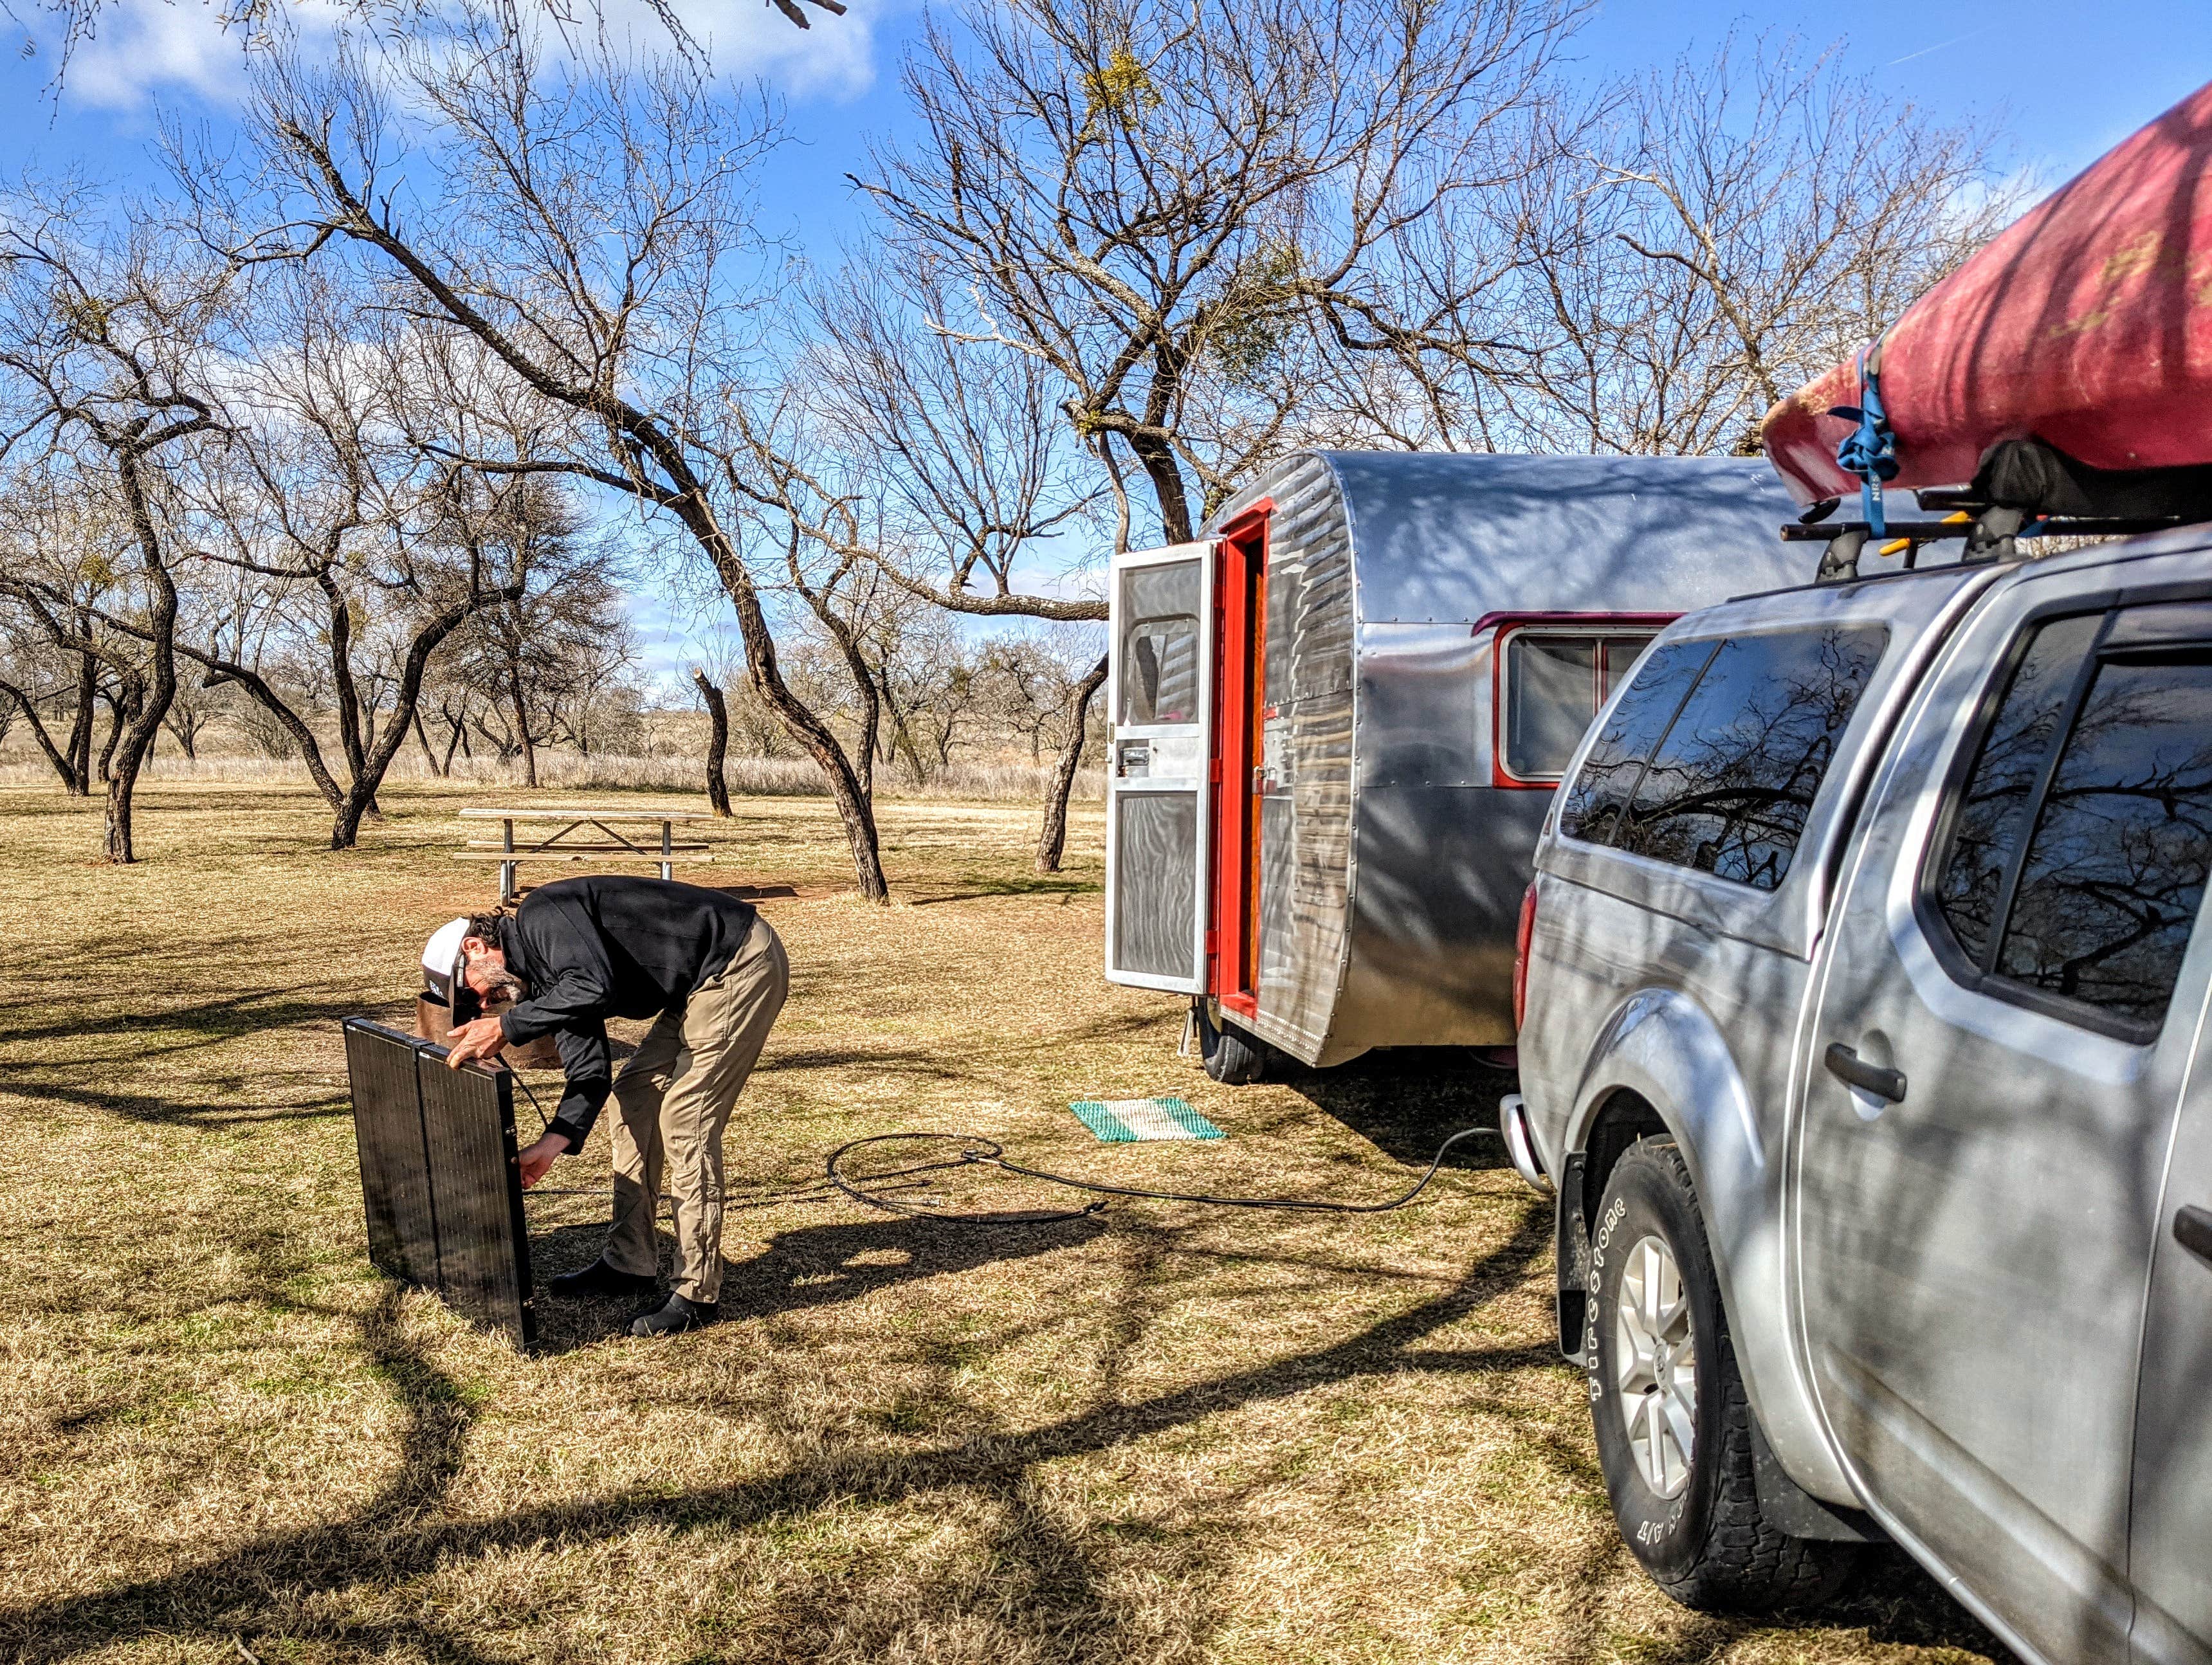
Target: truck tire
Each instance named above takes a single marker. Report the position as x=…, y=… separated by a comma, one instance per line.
x=1232, y=1057
x=1673, y=1427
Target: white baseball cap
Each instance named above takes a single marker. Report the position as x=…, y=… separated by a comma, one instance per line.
x=443, y=963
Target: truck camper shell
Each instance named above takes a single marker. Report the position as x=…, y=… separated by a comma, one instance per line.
x=1340, y=714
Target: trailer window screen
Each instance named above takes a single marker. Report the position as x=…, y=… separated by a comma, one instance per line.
x=1159, y=644
x=1555, y=682
x=1732, y=781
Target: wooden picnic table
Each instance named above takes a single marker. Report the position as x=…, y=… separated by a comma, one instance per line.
x=557, y=846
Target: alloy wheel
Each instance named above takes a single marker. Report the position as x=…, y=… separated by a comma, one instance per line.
x=1655, y=1365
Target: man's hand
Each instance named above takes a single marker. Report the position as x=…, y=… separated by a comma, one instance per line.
x=480, y=1039
x=539, y=1157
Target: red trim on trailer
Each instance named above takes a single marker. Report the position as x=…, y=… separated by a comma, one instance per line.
x=1240, y=648
x=1507, y=623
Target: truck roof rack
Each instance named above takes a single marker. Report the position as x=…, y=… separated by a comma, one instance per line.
x=1991, y=532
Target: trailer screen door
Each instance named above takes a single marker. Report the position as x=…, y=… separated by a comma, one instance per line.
x=1159, y=692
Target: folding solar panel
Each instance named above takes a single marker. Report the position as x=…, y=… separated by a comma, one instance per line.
x=439, y=1184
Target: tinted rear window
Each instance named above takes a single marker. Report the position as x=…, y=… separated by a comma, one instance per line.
x=1726, y=786
x=2082, y=838
x=1592, y=804
x=2116, y=869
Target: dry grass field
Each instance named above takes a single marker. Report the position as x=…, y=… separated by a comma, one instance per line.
x=1169, y=1434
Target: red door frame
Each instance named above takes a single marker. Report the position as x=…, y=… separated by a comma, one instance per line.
x=1240, y=638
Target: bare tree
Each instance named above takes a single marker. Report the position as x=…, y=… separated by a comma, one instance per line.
x=1168, y=203
x=1159, y=232
x=107, y=331
x=588, y=232
x=541, y=654
x=1718, y=232
x=945, y=462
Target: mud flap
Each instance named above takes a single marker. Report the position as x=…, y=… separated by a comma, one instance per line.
x=1572, y=1234
x=1787, y=1507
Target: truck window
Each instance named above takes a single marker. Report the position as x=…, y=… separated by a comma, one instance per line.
x=1592, y=804
x=1555, y=682
x=1731, y=782
x=1989, y=817
x=2078, y=875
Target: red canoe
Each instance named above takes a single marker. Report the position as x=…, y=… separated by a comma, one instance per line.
x=2087, y=324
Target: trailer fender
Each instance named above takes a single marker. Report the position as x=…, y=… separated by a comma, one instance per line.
x=1663, y=1047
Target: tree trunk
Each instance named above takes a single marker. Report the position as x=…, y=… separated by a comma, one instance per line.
x=718, y=743
x=80, y=739
x=522, y=728
x=1158, y=459
x=762, y=671
x=45, y=740
x=422, y=739
x=303, y=738
x=342, y=682
x=864, y=683
x=1052, y=844
x=150, y=703
x=118, y=703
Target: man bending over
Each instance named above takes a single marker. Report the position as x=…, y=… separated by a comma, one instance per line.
x=712, y=975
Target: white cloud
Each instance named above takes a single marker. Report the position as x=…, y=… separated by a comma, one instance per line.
x=155, y=49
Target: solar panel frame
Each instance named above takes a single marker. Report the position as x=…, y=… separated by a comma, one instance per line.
x=442, y=1184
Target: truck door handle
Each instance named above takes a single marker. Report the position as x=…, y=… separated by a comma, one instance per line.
x=2192, y=1229
x=1846, y=1065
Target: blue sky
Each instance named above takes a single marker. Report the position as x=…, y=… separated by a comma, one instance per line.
x=2062, y=80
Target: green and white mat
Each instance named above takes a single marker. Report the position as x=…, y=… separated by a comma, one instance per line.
x=1123, y=1121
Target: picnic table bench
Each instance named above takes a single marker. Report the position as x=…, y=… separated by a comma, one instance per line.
x=558, y=846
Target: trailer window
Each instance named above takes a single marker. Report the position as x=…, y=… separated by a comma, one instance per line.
x=1555, y=682
x=1160, y=671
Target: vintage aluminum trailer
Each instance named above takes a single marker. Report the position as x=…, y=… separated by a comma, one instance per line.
x=1338, y=717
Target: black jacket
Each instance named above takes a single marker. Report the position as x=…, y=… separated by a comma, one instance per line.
x=591, y=948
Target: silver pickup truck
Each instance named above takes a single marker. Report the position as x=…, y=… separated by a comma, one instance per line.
x=1863, y=1014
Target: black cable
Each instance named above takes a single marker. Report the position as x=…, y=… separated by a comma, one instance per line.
x=979, y=1151
x=515, y=1076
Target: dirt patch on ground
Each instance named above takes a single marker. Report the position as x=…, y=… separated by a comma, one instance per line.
x=1166, y=1434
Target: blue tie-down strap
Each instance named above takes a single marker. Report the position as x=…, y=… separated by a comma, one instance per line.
x=1870, y=450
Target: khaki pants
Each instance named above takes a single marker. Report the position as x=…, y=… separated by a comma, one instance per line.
x=675, y=1097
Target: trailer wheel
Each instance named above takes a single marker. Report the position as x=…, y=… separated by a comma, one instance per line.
x=1232, y=1057
x=1673, y=1427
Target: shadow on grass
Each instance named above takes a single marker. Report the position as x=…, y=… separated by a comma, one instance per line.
x=1406, y=1100
x=1068, y=1604
x=984, y=889
x=814, y=1265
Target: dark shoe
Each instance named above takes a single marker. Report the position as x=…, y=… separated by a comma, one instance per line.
x=678, y=1315
x=599, y=1280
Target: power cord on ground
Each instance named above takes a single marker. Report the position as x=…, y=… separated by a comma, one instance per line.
x=978, y=1152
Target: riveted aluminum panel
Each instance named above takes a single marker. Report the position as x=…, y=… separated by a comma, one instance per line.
x=441, y=1185
x=1389, y=921
x=1305, y=810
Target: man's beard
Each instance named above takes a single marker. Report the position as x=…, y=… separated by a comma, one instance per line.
x=505, y=985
